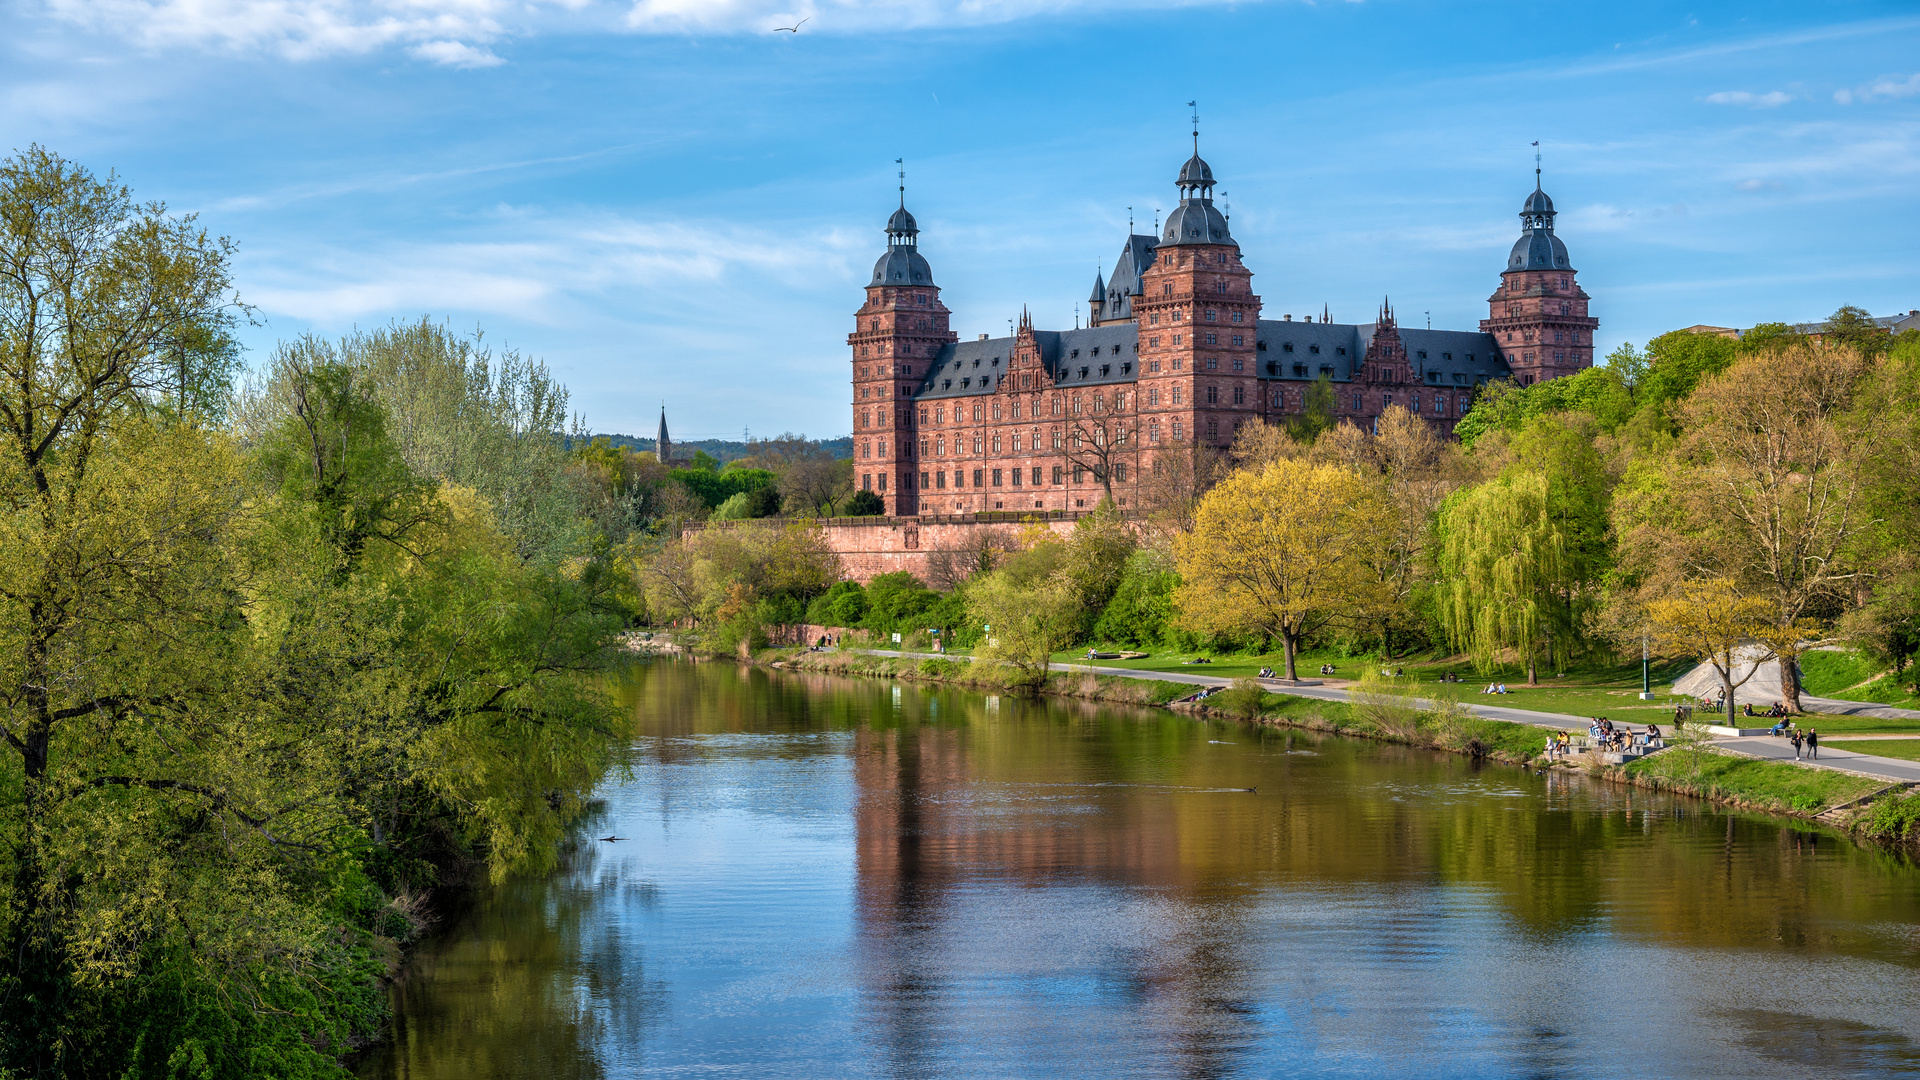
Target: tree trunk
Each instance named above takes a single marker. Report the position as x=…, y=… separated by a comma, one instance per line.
x=1287, y=645
x=1727, y=681
x=1790, y=680
x=1533, y=672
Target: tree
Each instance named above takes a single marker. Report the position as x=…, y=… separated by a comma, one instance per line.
x=1709, y=619
x=1175, y=481
x=1502, y=569
x=865, y=504
x=816, y=486
x=1852, y=327
x=1284, y=552
x=1101, y=436
x=101, y=303
x=1770, y=488
x=1023, y=624
x=1316, y=416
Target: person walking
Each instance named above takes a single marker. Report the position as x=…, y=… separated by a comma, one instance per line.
x=1794, y=738
x=1813, y=744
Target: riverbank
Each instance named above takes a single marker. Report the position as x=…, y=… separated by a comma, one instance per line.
x=1873, y=807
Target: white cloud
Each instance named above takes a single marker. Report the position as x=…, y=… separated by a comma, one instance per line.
x=857, y=16
x=544, y=266
x=443, y=31
x=1884, y=88
x=1772, y=99
x=455, y=54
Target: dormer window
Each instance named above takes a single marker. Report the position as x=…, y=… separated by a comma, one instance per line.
x=1300, y=371
x=1325, y=370
x=1126, y=368
x=1095, y=351
x=1313, y=348
x=1083, y=373
x=1262, y=346
x=1446, y=356
x=1288, y=347
x=1104, y=369
x=1075, y=354
x=946, y=384
x=1342, y=350
x=996, y=361
x=964, y=382
x=1423, y=354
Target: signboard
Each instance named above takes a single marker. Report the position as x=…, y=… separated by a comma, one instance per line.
x=896, y=637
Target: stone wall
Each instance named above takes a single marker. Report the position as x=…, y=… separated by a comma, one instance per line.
x=869, y=546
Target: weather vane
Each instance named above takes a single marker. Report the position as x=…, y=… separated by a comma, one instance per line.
x=902, y=162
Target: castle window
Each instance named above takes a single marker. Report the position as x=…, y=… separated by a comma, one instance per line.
x=1213, y=363
x=1016, y=476
x=1153, y=319
x=1104, y=368
x=996, y=410
x=1153, y=431
x=1416, y=402
x=1153, y=367
x=1016, y=442
x=1056, y=439
x=1239, y=395
x=1178, y=314
x=1126, y=368
x=1166, y=289
x=1176, y=339
x=996, y=444
x=964, y=382
x=977, y=444
x=1095, y=351
x=1177, y=362
x=1213, y=395
x=1056, y=405
x=940, y=447
x=1213, y=338
x=946, y=384
x=866, y=481
x=996, y=478
x=1356, y=403
x=1176, y=395
x=1239, y=339
x=976, y=415
x=1239, y=364
x=1239, y=317
x=1213, y=430
x=1212, y=316
x=1300, y=371
x=1179, y=431
x=1153, y=397
x=1220, y=286
x=1154, y=342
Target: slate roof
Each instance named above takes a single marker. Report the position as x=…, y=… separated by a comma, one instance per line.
x=1135, y=257
x=1107, y=355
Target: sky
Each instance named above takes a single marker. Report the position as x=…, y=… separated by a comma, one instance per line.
x=673, y=201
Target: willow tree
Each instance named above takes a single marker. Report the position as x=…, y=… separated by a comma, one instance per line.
x=1503, y=572
x=1284, y=551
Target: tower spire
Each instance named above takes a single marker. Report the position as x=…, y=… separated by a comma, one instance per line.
x=1536, y=165
x=902, y=162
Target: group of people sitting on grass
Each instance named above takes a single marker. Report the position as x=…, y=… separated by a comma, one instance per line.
x=1776, y=710
x=1267, y=673
x=1496, y=688
x=1326, y=669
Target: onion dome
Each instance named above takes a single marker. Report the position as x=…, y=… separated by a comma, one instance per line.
x=1538, y=248
x=902, y=264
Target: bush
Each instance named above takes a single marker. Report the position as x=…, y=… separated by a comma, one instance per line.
x=1143, y=604
x=865, y=504
x=845, y=604
x=1895, y=818
x=898, y=601
x=1244, y=699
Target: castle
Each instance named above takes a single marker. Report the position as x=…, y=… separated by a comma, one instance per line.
x=1176, y=355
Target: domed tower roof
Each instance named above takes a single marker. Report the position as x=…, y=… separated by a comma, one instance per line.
x=1538, y=248
x=903, y=263
x=1195, y=173
x=1196, y=220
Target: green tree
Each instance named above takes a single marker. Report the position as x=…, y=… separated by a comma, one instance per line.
x=1852, y=327
x=1504, y=572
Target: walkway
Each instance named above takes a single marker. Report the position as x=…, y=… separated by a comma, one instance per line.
x=1760, y=746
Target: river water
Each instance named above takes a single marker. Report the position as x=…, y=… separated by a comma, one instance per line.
x=848, y=878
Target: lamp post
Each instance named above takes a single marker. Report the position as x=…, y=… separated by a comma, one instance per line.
x=1646, y=688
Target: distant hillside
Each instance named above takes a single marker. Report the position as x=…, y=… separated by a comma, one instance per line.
x=722, y=450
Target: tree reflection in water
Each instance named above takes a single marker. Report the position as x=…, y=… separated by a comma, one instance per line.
x=857, y=878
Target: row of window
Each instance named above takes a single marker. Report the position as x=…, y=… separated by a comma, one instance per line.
x=1006, y=477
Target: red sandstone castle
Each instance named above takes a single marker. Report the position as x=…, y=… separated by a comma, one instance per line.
x=1176, y=355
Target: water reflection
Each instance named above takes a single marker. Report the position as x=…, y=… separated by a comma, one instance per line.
x=853, y=878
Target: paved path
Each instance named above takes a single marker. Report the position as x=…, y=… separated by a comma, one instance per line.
x=1762, y=688
x=1760, y=746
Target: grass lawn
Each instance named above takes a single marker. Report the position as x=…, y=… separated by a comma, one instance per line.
x=1777, y=785
x=1908, y=749
x=1849, y=676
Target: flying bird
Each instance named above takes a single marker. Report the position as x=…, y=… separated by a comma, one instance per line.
x=795, y=28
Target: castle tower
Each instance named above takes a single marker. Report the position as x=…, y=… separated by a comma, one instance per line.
x=896, y=335
x=663, y=443
x=1196, y=317
x=1538, y=316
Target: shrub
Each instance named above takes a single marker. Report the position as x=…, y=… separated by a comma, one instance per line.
x=865, y=504
x=1244, y=699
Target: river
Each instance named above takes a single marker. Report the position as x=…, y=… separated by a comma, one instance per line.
x=825, y=877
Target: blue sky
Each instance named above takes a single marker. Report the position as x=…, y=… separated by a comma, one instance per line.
x=667, y=200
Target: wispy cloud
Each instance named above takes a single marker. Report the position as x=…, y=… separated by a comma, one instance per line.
x=1884, y=88
x=1772, y=99
x=860, y=16
x=451, y=32
x=536, y=267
